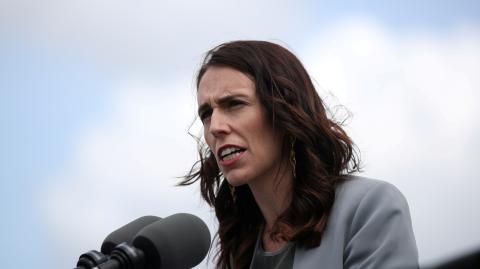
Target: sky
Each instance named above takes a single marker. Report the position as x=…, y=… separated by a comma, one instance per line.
x=97, y=104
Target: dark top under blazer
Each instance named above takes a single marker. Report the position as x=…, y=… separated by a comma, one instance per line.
x=369, y=228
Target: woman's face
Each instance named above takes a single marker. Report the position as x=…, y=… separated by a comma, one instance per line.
x=236, y=127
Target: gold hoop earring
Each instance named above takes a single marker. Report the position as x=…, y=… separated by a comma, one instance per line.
x=293, y=160
x=232, y=192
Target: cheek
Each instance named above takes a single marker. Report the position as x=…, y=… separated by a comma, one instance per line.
x=272, y=149
x=208, y=139
x=268, y=145
x=271, y=141
x=211, y=145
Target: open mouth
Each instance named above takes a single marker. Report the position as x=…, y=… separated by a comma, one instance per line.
x=229, y=153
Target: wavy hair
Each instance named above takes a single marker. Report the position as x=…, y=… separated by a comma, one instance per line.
x=323, y=150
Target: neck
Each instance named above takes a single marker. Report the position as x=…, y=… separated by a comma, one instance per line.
x=273, y=194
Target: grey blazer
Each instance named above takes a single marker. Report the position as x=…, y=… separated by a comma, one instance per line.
x=369, y=227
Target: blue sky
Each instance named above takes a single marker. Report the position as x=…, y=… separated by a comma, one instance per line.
x=66, y=84
x=45, y=97
x=435, y=15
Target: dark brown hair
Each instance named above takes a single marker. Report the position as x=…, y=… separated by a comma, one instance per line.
x=323, y=150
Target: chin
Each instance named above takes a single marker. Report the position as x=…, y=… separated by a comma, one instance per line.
x=236, y=183
x=236, y=179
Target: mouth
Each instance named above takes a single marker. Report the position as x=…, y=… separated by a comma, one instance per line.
x=229, y=152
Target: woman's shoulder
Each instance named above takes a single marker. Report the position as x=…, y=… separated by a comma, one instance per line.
x=360, y=200
x=369, y=227
x=356, y=188
x=360, y=184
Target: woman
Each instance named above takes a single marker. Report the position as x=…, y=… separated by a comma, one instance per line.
x=278, y=171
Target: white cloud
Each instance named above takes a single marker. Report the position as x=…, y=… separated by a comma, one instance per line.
x=415, y=99
x=124, y=166
x=151, y=35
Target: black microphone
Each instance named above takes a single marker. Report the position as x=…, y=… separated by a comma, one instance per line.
x=177, y=242
x=126, y=233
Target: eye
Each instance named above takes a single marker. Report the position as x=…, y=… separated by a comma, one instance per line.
x=204, y=115
x=235, y=103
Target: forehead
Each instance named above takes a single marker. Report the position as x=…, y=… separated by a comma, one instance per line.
x=218, y=82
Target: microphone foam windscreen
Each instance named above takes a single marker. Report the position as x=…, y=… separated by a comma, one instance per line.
x=126, y=233
x=177, y=242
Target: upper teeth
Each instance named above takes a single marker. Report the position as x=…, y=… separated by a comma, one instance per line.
x=227, y=151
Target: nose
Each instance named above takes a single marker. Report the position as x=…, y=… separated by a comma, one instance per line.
x=218, y=124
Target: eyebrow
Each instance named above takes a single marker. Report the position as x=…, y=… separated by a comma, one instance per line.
x=221, y=101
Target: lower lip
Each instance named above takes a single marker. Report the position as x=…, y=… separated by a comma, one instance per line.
x=230, y=162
